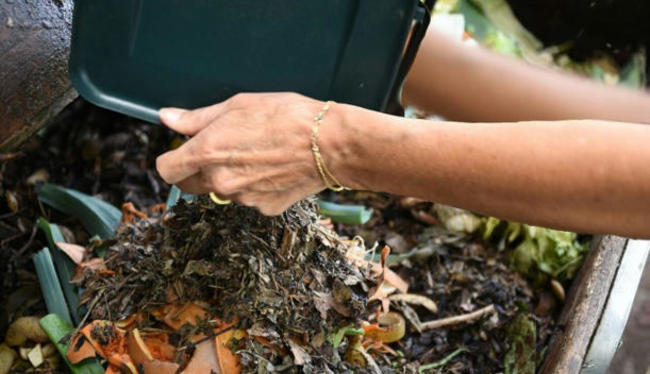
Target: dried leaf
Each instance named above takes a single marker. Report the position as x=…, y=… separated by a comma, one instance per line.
x=175, y=316
x=300, y=356
x=204, y=359
x=160, y=367
x=416, y=300
x=321, y=299
x=228, y=361
x=95, y=265
x=75, y=252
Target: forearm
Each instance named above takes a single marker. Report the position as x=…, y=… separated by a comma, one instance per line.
x=585, y=176
x=473, y=84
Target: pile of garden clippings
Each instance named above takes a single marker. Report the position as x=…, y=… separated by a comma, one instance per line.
x=277, y=276
x=287, y=279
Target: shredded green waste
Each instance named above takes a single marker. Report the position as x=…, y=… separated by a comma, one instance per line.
x=538, y=252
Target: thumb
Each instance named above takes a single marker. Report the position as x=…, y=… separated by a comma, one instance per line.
x=186, y=122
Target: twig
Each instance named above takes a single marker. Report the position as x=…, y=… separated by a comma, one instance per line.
x=455, y=320
x=11, y=214
x=9, y=156
x=205, y=339
x=27, y=244
x=372, y=364
x=91, y=306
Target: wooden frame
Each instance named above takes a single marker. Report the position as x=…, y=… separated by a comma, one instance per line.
x=585, y=304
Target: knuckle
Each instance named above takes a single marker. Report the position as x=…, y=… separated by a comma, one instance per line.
x=264, y=210
x=238, y=100
x=202, y=115
x=247, y=200
x=227, y=187
x=192, y=117
x=161, y=167
x=221, y=183
x=293, y=95
x=202, y=149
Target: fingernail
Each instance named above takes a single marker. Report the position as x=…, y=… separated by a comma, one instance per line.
x=171, y=115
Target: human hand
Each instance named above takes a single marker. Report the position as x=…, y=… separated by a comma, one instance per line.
x=254, y=149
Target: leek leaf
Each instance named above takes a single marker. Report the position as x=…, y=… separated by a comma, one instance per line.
x=98, y=217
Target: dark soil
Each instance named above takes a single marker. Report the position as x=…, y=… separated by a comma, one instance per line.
x=88, y=149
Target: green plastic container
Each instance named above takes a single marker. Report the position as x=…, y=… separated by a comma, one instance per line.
x=136, y=56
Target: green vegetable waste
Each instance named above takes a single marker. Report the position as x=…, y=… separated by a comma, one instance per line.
x=538, y=252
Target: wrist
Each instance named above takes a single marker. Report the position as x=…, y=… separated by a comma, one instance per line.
x=373, y=151
x=341, y=145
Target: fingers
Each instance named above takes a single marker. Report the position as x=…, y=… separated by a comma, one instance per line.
x=179, y=164
x=203, y=183
x=190, y=122
x=268, y=202
x=195, y=184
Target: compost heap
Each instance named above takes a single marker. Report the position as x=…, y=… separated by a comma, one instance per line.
x=279, y=292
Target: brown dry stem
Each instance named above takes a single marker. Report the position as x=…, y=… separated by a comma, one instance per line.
x=456, y=320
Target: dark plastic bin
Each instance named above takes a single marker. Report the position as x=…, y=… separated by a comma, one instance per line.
x=136, y=56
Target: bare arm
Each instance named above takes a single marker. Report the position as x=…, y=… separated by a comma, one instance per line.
x=474, y=84
x=587, y=176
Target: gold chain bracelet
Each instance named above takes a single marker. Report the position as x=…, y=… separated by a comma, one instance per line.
x=326, y=175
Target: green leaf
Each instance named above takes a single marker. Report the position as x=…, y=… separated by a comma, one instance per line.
x=491, y=223
x=50, y=285
x=538, y=252
x=395, y=259
x=442, y=362
x=337, y=336
x=348, y=214
x=65, y=267
x=59, y=331
x=98, y=217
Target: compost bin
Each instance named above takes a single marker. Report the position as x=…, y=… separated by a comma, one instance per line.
x=34, y=38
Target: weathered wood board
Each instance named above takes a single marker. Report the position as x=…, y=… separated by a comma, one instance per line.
x=34, y=48
x=584, y=307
